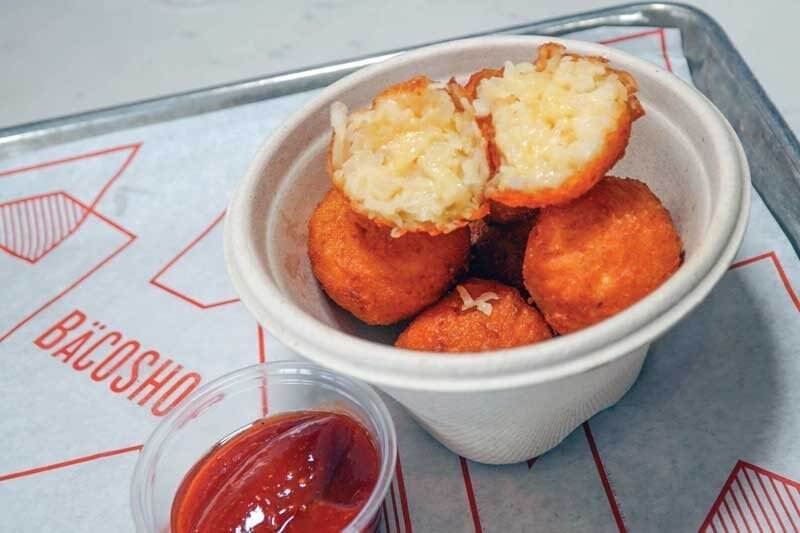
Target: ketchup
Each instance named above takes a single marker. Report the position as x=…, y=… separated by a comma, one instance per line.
x=293, y=472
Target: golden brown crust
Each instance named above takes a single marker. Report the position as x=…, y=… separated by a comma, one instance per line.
x=471, y=88
x=417, y=84
x=494, y=155
x=547, y=51
x=378, y=278
x=445, y=327
x=329, y=157
x=457, y=92
x=486, y=125
x=634, y=105
x=599, y=254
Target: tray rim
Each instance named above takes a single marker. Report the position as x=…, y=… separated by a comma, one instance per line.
x=76, y=126
x=24, y=138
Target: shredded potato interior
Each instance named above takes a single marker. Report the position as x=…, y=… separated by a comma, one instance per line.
x=413, y=159
x=550, y=123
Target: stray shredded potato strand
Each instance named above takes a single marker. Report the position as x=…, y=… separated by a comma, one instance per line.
x=481, y=303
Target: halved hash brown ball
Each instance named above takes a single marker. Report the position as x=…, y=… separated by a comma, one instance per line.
x=416, y=160
x=597, y=255
x=379, y=278
x=555, y=126
x=478, y=316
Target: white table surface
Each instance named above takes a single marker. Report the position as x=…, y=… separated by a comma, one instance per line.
x=60, y=58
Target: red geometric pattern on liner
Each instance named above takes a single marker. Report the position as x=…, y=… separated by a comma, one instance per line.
x=32, y=227
x=657, y=32
x=778, y=267
x=178, y=294
x=69, y=462
x=395, y=516
x=473, y=503
x=755, y=499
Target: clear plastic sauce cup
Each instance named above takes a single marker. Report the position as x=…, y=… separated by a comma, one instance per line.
x=233, y=402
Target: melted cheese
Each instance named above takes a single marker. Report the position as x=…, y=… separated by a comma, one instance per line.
x=412, y=159
x=549, y=124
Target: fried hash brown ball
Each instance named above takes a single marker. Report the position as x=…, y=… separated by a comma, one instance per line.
x=555, y=126
x=597, y=255
x=498, y=252
x=379, y=278
x=416, y=160
x=478, y=316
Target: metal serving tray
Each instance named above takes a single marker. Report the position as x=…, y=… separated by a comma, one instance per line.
x=717, y=68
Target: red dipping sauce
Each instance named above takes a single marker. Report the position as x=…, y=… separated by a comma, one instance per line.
x=294, y=472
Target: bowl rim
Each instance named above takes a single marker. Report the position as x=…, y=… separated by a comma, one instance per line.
x=515, y=367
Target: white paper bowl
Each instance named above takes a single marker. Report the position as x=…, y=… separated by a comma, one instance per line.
x=508, y=405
